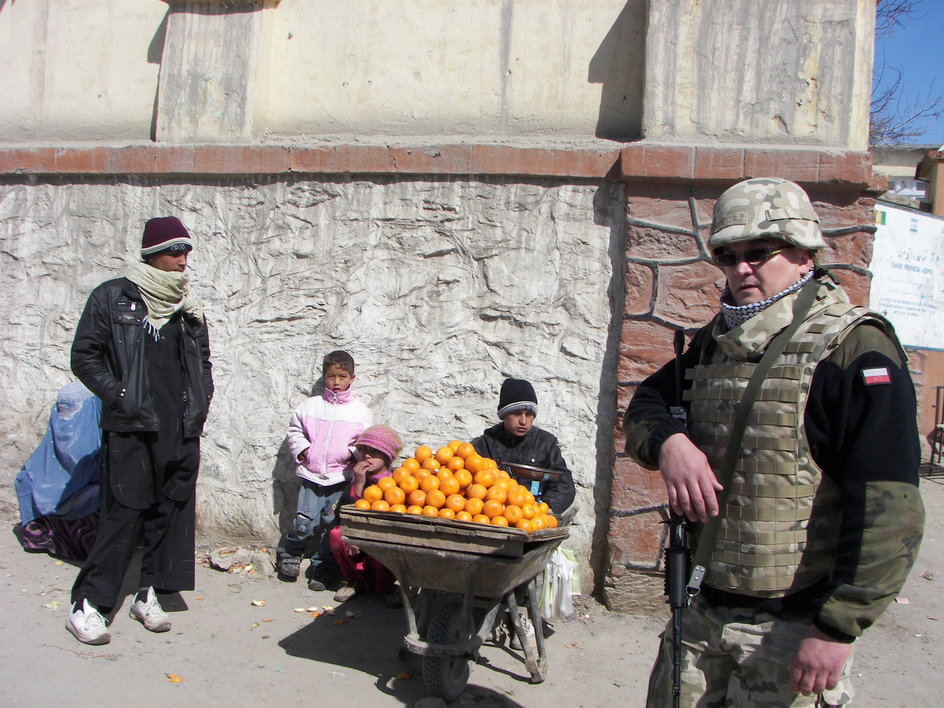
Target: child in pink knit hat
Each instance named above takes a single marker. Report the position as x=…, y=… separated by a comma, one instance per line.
x=375, y=450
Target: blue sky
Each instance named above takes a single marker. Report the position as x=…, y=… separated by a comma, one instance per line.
x=917, y=48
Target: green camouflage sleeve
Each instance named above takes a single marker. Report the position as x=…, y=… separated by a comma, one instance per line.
x=890, y=536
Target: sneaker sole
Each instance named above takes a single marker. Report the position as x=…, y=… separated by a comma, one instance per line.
x=95, y=641
x=154, y=628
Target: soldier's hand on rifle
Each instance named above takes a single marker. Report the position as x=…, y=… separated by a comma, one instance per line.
x=691, y=484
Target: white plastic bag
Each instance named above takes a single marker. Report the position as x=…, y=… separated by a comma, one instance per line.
x=559, y=583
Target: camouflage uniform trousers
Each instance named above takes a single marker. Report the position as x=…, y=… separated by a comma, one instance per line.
x=738, y=658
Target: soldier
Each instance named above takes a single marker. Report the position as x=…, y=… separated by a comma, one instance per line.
x=809, y=526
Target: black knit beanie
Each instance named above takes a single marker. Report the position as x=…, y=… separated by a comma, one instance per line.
x=516, y=395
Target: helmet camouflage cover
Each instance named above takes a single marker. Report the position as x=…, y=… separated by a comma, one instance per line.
x=766, y=207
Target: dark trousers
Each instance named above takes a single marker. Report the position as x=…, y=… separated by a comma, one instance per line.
x=165, y=526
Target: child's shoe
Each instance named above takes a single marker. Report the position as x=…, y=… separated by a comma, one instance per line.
x=347, y=590
x=289, y=568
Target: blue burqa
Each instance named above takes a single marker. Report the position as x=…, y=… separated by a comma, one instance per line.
x=61, y=477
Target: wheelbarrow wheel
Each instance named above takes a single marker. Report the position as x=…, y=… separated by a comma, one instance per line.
x=446, y=676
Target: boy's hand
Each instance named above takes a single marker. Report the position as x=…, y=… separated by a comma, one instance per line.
x=361, y=469
x=302, y=455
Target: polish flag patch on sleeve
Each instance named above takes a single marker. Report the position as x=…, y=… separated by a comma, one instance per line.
x=876, y=376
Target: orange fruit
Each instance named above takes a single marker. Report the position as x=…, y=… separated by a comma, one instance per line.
x=449, y=485
x=529, y=511
x=409, y=483
x=431, y=464
x=517, y=495
x=474, y=462
x=492, y=508
x=411, y=463
x=476, y=491
x=443, y=454
x=436, y=498
x=543, y=508
x=484, y=477
x=497, y=493
x=430, y=483
x=446, y=513
x=386, y=483
x=539, y=522
x=417, y=497
x=414, y=509
x=456, y=502
x=525, y=525
x=444, y=473
x=454, y=445
x=490, y=464
x=454, y=464
x=464, y=477
x=530, y=497
x=464, y=450
x=421, y=474
x=423, y=452
x=430, y=511
x=394, y=495
x=463, y=516
x=513, y=514
x=481, y=519
x=380, y=505
x=550, y=521
x=474, y=506
x=400, y=473
x=399, y=508
x=372, y=493
x=362, y=504
x=499, y=521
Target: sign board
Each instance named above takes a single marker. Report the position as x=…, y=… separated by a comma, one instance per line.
x=908, y=274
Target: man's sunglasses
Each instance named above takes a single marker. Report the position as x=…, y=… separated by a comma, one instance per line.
x=754, y=256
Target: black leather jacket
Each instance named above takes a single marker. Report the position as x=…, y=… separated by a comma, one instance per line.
x=108, y=356
x=538, y=448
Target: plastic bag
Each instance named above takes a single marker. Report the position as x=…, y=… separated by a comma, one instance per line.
x=559, y=583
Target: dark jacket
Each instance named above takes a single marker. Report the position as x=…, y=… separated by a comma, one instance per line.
x=108, y=356
x=539, y=449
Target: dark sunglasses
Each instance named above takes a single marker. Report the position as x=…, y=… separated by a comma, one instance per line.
x=755, y=256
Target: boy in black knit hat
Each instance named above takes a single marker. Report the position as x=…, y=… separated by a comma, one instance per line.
x=516, y=439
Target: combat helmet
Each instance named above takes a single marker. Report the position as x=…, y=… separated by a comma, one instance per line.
x=765, y=207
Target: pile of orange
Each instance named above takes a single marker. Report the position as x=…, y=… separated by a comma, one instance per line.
x=454, y=482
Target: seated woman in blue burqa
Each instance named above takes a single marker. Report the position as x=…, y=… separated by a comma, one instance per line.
x=58, y=487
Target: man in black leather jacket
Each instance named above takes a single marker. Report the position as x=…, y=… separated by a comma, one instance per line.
x=141, y=346
x=515, y=439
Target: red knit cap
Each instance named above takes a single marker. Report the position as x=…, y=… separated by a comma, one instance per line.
x=165, y=233
x=382, y=439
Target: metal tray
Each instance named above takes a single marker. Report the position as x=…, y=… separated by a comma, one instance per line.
x=537, y=474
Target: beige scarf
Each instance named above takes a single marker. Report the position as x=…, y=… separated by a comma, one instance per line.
x=164, y=293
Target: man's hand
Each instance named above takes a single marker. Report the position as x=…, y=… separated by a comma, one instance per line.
x=689, y=480
x=818, y=663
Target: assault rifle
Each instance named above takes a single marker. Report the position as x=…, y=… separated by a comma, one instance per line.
x=676, y=554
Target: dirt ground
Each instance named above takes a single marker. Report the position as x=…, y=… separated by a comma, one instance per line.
x=228, y=650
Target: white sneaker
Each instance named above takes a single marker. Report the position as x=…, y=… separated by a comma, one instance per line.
x=87, y=624
x=150, y=613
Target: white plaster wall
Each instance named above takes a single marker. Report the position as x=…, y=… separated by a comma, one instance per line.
x=79, y=69
x=438, y=289
x=321, y=69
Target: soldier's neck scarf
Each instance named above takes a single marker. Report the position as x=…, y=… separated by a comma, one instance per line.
x=736, y=315
x=164, y=293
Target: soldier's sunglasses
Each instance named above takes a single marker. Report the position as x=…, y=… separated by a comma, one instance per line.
x=754, y=256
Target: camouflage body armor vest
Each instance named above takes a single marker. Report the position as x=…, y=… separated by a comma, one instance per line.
x=772, y=540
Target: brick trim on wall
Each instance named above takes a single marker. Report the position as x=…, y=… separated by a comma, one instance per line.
x=635, y=162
